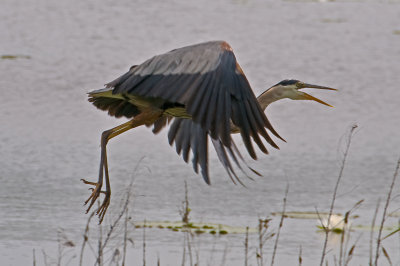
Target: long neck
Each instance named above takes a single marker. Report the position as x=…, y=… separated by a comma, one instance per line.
x=267, y=97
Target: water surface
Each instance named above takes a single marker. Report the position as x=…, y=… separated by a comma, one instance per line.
x=49, y=137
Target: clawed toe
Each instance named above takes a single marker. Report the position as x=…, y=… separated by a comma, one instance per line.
x=95, y=193
x=94, y=196
x=92, y=189
x=103, y=208
x=88, y=182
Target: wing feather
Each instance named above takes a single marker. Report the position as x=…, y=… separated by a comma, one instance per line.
x=203, y=110
x=173, y=130
x=207, y=80
x=254, y=127
x=239, y=118
x=194, y=103
x=161, y=123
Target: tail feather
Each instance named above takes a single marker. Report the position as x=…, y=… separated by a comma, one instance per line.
x=115, y=104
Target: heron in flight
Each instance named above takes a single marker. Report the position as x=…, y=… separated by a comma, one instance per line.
x=202, y=91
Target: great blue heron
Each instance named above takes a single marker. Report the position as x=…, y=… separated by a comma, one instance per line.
x=204, y=90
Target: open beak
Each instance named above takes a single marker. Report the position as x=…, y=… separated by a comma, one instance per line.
x=305, y=96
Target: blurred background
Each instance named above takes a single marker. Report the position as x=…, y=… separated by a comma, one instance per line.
x=54, y=52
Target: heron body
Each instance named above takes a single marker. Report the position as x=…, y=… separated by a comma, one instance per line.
x=202, y=91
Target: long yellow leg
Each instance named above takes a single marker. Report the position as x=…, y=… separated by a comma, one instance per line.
x=105, y=137
x=144, y=118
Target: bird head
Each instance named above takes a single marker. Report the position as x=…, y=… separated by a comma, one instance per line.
x=291, y=88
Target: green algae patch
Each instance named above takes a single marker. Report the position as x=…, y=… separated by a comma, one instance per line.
x=207, y=227
x=198, y=231
x=197, y=228
x=13, y=57
x=223, y=232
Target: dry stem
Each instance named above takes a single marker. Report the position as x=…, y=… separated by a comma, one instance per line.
x=326, y=229
x=280, y=224
x=378, y=242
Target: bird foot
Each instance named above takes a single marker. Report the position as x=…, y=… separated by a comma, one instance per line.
x=104, y=206
x=101, y=211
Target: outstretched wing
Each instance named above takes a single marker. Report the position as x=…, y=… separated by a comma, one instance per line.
x=207, y=80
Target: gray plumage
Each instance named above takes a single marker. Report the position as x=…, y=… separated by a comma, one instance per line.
x=206, y=83
x=202, y=91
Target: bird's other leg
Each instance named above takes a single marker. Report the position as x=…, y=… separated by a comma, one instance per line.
x=144, y=118
x=106, y=202
x=105, y=137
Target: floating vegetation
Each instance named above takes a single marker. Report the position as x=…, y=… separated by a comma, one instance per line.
x=13, y=57
x=198, y=228
x=336, y=224
x=304, y=215
x=375, y=228
x=207, y=227
x=190, y=225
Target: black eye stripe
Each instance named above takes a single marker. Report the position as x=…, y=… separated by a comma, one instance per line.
x=287, y=82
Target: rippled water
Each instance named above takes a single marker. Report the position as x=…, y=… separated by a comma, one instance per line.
x=49, y=137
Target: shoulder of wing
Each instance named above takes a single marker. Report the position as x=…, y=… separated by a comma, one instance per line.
x=193, y=59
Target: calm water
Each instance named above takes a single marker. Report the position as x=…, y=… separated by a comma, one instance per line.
x=49, y=137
